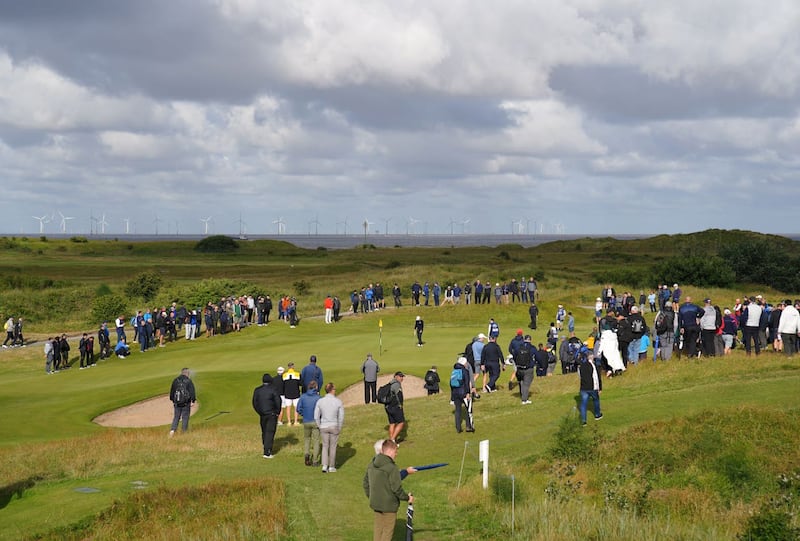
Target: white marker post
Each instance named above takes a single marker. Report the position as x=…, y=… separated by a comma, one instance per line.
x=483, y=456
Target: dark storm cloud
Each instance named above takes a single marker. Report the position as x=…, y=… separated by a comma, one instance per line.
x=171, y=50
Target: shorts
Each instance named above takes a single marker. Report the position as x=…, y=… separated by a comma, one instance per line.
x=727, y=339
x=395, y=415
x=286, y=402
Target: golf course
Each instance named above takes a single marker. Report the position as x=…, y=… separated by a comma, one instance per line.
x=689, y=449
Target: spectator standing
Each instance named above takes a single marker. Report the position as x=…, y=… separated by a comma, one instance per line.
x=311, y=437
x=370, y=370
x=329, y=416
x=291, y=393
x=182, y=394
x=432, y=381
x=384, y=489
x=591, y=386
x=309, y=372
x=789, y=327
x=460, y=393
x=267, y=403
x=394, y=409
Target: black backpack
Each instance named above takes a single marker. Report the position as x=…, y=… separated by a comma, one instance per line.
x=524, y=359
x=385, y=395
x=664, y=322
x=182, y=396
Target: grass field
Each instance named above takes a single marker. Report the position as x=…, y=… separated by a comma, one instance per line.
x=690, y=449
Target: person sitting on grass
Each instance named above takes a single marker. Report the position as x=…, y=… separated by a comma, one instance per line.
x=122, y=349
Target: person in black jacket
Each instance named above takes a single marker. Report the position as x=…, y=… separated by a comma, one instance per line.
x=591, y=384
x=267, y=403
x=182, y=395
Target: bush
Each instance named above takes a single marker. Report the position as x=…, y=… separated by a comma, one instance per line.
x=102, y=290
x=108, y=307
x=770, y=525
x=217, y=244
x=572, y=441
x=199, y=293
x=698, y=271
x=79, y=240
x=145, y=286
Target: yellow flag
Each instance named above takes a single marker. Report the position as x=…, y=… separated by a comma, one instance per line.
x=380, y=323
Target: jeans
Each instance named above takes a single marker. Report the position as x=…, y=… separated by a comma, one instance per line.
x=181, y=412
x=633, y=350
x=585, y=395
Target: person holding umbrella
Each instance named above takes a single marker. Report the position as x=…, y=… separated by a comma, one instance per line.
x=385, y=491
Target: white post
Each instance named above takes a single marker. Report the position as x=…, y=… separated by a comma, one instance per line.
x=483, y=456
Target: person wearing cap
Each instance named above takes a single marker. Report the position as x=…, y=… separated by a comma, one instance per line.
x=708, y=328
x=277, y=384
x=676, y=295
x=328, y=306
x=267, y=403
x=460, y=394
x=729, y=330
x=309, y=372
x=394, y=409
x=750, y=321
x=598, y=310
x=291, y=393
x=494, y=329
x=419, y=327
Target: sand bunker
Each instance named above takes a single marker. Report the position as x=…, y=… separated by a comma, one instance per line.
x=158, y=411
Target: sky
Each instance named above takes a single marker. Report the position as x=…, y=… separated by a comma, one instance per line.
x=430, y=116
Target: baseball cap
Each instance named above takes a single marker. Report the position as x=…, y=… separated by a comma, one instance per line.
x=266, y=378
x=281, y=370
x=482, y=336
x=398, y=373
x=707, y=300
x=519, y=332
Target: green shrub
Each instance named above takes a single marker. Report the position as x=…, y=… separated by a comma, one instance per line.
x=102, y=290
x=572, y=441
x=79, y=240
x=199, y=293
x=393, y=264
x=217, y=244
x=770, y=525
x=108, y=307
x=146, y=285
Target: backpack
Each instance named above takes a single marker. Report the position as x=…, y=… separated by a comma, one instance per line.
x=637, y=325
x=718, y=318
x=430, y=379
x=661, y=323
x=524, y=358
x=469, y=354
x=181, y=396
x=385, y=395
x=456, y=378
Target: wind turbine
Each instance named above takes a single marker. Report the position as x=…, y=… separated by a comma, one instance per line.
x=92, y=221
x=410, y=226
x=452, y=225
x=386, y=221
x=516, y=227
x=242, y=226
x=64, y=220
x=103, y=223
x=315, y=223
x=345, y=226
x=464, y=225
x=281, y=225
x=127, y=225
x=366, y=225
x=156, y=222
x=42, y=220
x=205, y=224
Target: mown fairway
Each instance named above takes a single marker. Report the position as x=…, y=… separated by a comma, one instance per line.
x=687, y=450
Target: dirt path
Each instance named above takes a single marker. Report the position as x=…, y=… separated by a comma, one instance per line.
x=157, y=411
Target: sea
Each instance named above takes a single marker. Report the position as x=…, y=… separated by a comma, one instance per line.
x=340, y=242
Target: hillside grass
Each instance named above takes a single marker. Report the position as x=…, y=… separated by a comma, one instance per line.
x=689, y=449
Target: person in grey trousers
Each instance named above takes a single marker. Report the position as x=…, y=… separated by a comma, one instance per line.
x=370, y=370
x=329, y=415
